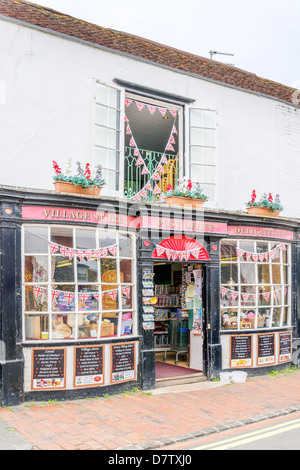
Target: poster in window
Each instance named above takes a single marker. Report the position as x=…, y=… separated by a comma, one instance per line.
x=48, y=369
x=123, y=362
x=88, y=366
x=266, y=349
x=241, y=351
x=285, y=347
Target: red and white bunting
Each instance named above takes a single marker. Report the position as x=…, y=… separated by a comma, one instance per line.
x=126, y=118
x=54, y=294
x=261, y=257
x=224, y=292
x=255, y=257
x=80, y=254
x=160, y=168
x=53, y=248
x=128, y=130
x=136, y=152
x=156, y=190
x=173, y=112
x=139, y=161
x=128, y=102
x=174, y=130
x=162, y=111
x=112, y=294
x=240, y=253
x=159, y=250
x=248, y=256
x=38, y=291
x=84, y=296
x=234, y=295
x=132, y=142
x=170, y=147
x=266, y=296
x=156, y=176
x=172, y=140
x=196, y=253
x=143, y=193
x=164, y=160
x=245, y=297
x=145, y=171
x=152, y=109
x=148, y=186
x=113, y=249
x=69, y=296
x=140, y=105
x=126, y=291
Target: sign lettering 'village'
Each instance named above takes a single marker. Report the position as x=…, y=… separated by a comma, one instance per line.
x=164, y=223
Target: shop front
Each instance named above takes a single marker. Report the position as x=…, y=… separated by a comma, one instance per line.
x=100, y=296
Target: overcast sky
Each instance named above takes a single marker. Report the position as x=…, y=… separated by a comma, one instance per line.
x=263, y=35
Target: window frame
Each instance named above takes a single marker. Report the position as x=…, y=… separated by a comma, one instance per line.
x=238, y=286
x=76, y=283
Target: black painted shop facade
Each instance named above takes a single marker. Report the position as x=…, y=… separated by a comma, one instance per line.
x=250, y=292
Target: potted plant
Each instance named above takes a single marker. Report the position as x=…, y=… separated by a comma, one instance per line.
x=185, y=195
x=82, y=183
x=265, y=206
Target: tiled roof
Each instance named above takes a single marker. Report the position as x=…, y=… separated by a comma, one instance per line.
x=143, y=48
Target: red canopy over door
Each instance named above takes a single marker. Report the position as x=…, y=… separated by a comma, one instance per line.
x=182, y=249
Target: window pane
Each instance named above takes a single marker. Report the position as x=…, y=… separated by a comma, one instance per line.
x=276, y=317
x=88, y=325
x=263, y=320
x=62, y=269
x=101, y=156
x=276, y=258
x=36, y=269
x=101, y=135
x=127, y=324
x=36, y=299
x=196, y=117
x=36, y=240
x=229, y=318
x=125, y=246
x=109, y=271
x=263, y=273
x=36, y=327
x=209, y=174
x=197, y=172
x=248, y=296
x=88, y=298
x=106, y=239
x=62, y=236
x=101, y=115
x=196, y=155
x=229, y=297
x=126, y=271
x=63, y=298
x=228, y=251
x=247, y=273
x=85, y=239
x=109, y=325
x=126, y=299
x=262, y=247
x=60, y=327
x=209, y=156
x=276, y=275
x=87, y=271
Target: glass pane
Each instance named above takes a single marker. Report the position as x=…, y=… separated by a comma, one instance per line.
x=228, y=251
x=106, y=239
x=197, y=172
x=229, y=296
x=285, y=270
x=247, y=246
x=112, y=139
x=286, y=293
x=196, y=136
x=209, y=174
x=36, y=299
x=126, y=271
x=110, y=298
x=286, y=311
x=101, y=115
x=100, y=156
x=36, y=327
x=263, y=271
x=277, y=291
x=276, y=258
x=248, y=296
x=88, y=325
x=62, y=269
x=126, y=296
x=276, y=317
x=113, y=163
x=63, y=298
x=113, y=97
x=85, y=239
x=88, y=298
x=109, y=271
x=248, y=317
x=87, y=271
x=127, y=324
x=208, y=138
x=36, y=269
x=263, y=320
x=62, y=326
x=101, y=93
x=109, y=325
x=229, y=319
x=265, y=296
x=196, y=117
x=229, y=274
x=62, y=236
x=276, y=275
x=247, y=273
x=36, y=240
x=125, y=246
x=113, y=118
x=101, y=135
x=209, y=156
x=112, y=180
x=196, y=155
x=209, y=118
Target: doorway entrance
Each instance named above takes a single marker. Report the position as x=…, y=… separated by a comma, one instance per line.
x=179, y=332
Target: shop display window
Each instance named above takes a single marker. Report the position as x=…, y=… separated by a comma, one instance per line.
x=78, y=283
x=255, y=284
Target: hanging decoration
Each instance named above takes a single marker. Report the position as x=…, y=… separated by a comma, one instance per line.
x=83, y=296
x=151, y=108
x=174, y=254
x=261, y=256
x=228, y=294
x=71, y=253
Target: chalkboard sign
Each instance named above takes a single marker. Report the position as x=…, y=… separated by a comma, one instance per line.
x=122, y=362
x=266, y=349
x=285, y=347
x=88, y=366
x=48, y=368
x=241, y=351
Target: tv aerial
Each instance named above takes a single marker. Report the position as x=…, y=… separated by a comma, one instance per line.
x=214, y=52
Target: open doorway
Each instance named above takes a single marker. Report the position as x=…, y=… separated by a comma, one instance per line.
x=179, y=333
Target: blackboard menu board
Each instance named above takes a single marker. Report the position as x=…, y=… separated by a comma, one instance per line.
x=241, y=351
x=48, y=368
x=122, y=362
x=266, y=349
x=88, y=366
x=285, y=347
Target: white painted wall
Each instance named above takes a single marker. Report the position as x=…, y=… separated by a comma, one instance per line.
x=46, y=113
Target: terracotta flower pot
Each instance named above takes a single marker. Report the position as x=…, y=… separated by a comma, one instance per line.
x=64, y=187
x=262, y=211
x=185, y=201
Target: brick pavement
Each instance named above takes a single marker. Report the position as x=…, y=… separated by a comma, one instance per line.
x=141, y=421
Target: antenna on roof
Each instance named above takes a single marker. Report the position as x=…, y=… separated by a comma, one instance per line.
x=214, y=52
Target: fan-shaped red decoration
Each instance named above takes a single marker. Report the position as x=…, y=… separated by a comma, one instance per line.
x=183, y=249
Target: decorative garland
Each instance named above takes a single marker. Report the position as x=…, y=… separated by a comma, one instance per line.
x=83, y=296
x=80, y=254
x=261, y=256
x=233, y=295
x=181, y=255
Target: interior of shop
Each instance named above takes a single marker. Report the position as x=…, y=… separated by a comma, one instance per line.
x=178, y=319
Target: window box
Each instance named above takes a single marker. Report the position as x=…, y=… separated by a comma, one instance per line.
x=64, y=187
x=185, y=201
x=262, y=211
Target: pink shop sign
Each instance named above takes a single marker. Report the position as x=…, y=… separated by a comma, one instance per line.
x=260, y=232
